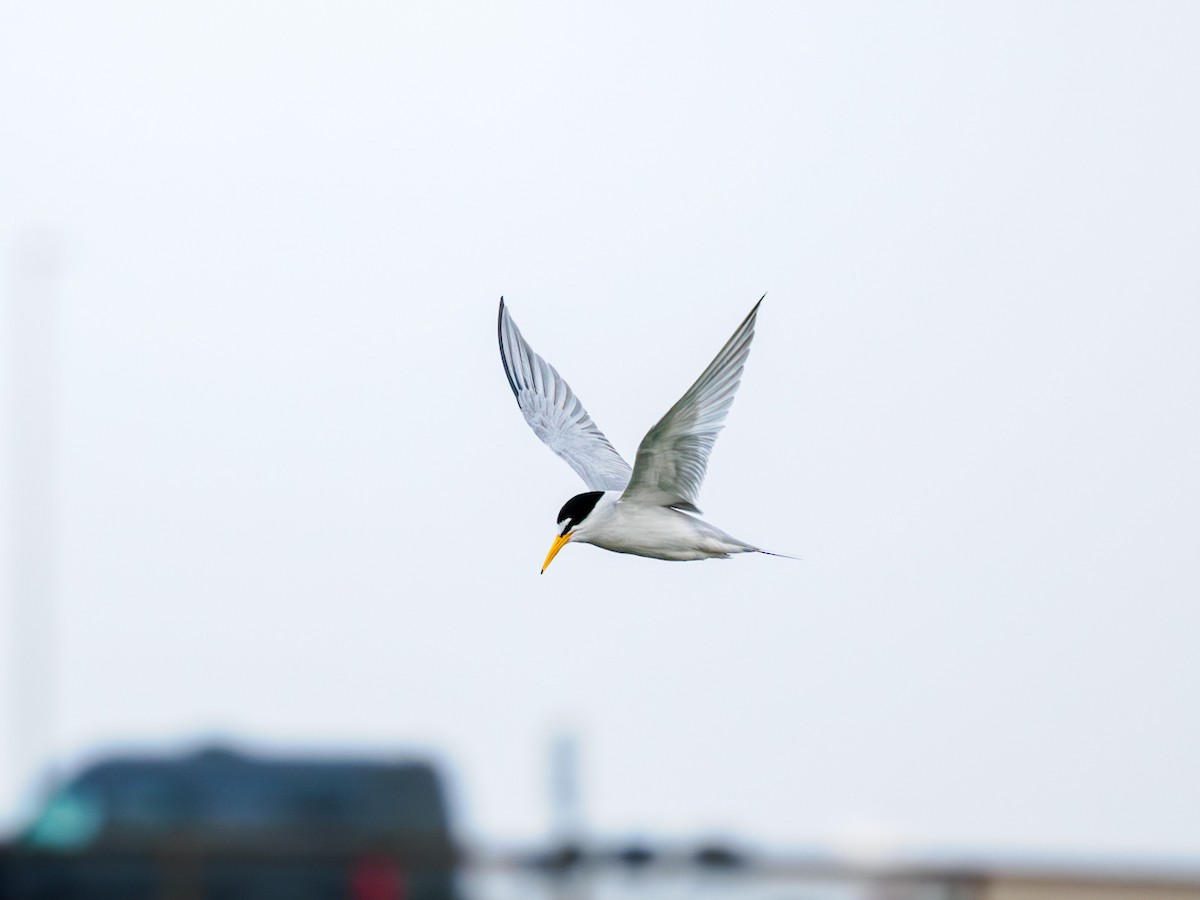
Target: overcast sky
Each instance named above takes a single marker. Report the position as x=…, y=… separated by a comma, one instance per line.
x=297, y=505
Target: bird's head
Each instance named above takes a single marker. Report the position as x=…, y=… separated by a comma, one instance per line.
x=571, y=518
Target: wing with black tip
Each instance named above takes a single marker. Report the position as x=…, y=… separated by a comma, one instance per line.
x=673, y=456
x=555, y=413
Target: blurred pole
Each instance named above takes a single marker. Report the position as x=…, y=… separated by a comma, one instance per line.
x=565, y=800
x=36, y=262
x=574, y=876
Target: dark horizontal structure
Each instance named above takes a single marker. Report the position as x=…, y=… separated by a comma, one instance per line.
x=734, y=872
x=228, y=826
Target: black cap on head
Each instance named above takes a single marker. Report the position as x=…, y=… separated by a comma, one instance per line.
x=577, y=509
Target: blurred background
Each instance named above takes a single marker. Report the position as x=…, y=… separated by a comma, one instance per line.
x=272, y=623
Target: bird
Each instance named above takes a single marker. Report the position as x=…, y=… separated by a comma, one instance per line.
x=648, y=509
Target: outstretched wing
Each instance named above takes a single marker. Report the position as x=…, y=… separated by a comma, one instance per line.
x=673, y=456
x=555, y=413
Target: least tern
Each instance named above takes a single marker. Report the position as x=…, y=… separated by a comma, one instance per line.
x=645, y=510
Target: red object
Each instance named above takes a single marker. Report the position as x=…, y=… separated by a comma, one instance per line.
x=377, y=878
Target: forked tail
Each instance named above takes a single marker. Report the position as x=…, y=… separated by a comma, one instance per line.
x=770, y=553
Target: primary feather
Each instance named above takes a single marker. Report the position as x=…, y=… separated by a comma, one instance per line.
x=673, y=456
x=555, y=413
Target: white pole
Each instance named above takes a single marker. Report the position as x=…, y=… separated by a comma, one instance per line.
x=35, y=266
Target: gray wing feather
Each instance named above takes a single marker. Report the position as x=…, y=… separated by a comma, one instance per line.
x=555, y=413
x=673, y=456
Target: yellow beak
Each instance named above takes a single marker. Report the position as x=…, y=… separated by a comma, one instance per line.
x=559, y=543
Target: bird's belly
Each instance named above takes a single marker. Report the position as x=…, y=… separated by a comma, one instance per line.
x=662, y=533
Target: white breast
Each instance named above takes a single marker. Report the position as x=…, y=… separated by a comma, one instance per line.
x=654, y=531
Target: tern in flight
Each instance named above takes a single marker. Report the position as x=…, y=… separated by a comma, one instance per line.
x=646, y=510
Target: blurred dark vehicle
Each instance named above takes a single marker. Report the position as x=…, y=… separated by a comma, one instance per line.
x=220, y=825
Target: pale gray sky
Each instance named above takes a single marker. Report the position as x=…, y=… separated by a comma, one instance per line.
x=298, y=504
